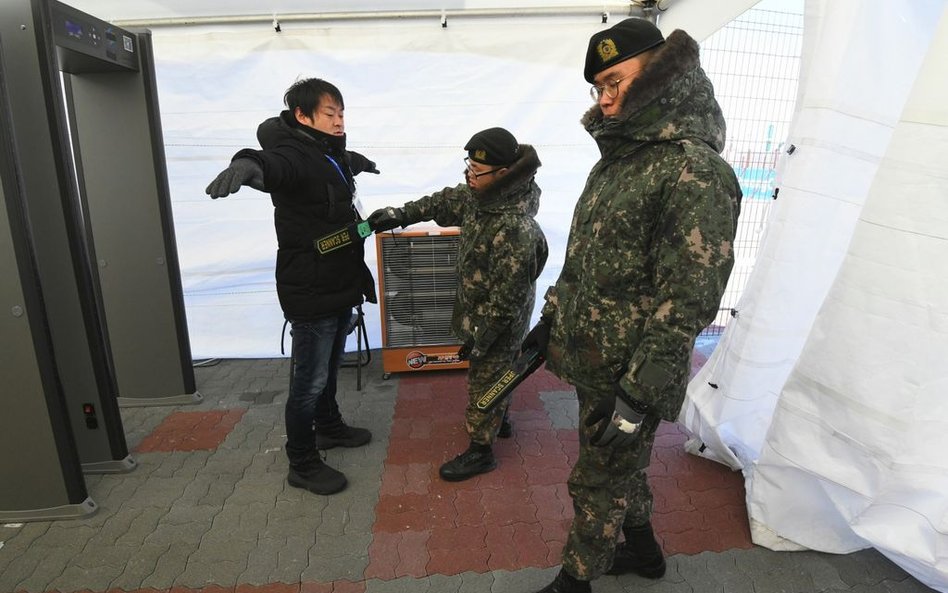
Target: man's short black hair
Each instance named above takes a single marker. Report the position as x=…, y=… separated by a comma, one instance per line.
x=306, y=94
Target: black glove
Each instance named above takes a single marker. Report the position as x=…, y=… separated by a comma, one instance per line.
x=370, y=167
x=464, y=352
x=240, y=172
x=539, y=337
x=386, y=219
x=620, y=421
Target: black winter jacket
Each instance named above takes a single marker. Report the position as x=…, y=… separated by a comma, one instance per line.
x=309, y=176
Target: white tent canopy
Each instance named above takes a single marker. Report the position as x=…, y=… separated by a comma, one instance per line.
x=826, y=384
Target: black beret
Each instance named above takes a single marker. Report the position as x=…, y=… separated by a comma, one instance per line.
x=623, y=40
x=493, y=146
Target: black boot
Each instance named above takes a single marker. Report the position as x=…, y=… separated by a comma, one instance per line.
x=564, y=583
x=639, y=554
x=506, y=429
x=478, y=459
x=317, y=477
x=341, y=435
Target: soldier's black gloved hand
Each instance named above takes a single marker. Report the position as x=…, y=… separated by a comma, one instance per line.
x=370, y=167
x=539, y=337
x=464, y=352
x=619, y=422
x=386, y=219
x=240, y=172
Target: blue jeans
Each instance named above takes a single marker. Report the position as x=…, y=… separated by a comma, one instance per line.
x=317, y=352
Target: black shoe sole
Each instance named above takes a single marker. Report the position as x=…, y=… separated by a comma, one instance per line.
x=468, y=476
x=329, y=443
x=324, y=492
x=644, y=572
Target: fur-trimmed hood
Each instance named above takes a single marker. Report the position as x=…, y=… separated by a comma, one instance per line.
x=515, y=191
x=671, y=100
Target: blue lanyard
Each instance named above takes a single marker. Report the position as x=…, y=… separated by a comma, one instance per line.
x=339, y=170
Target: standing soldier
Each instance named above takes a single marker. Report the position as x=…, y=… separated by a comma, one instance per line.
x=502, y=252
x=648, y=257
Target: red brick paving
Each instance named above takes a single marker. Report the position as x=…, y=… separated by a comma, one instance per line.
x=191, y=431
x=518, y=515
x=332, y=587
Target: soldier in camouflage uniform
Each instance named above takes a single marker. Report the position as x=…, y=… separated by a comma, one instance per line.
x=647, y=260
x=501, y=253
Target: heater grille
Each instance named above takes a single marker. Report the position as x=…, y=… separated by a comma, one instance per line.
x=419, y=281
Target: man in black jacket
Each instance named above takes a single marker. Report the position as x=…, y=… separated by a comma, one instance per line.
x=305, y=167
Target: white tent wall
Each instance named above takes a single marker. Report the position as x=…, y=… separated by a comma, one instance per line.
x=831, y=382
x=842, y=129
x=859, y=430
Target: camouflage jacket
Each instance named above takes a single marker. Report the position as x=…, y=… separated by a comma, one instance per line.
x=650, y=245
x=501, y=253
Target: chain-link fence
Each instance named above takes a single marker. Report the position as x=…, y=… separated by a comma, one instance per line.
x=754, y=63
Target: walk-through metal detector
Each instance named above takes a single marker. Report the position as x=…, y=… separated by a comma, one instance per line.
x=85, y=132
x=54, y=221
x=40, y=470
x=104, y=122
x=124, y=185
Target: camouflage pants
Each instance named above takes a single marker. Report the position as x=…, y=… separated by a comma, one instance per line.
x=609, y=488
x=481, y=375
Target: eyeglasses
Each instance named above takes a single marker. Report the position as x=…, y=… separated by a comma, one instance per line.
x=475, y=174
x=611, y=88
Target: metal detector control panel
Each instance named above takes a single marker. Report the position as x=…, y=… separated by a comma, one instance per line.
x=87, y=44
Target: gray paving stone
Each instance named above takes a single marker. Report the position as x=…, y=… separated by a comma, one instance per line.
x=17, y=541
x=223, y=573
x=476, y=582
x=294, y=556
x=562, y=407
x=189, y=515
x=45, y=565
x=72, y=534
x=825, y=575
x=530, y=579
x=159, y=491
x=75, y=578
x=865, y=567
x=908, y=585
x=715, y=572
x=207, y=490
x=411, y=585
x=269, y=460
x=142, y=525
x=326, y=563
x=18, y=569
x=171, y=564
x=140, y=566
x=661, y=586
x=192, y=464
x=162, y=465
x=169, y=534
x=122, y=489
x=263, y=564
x=297, y=518
x=243, y=522
x=779, y=573
x=116, y=524
x=229, y=463
x=218, y=547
